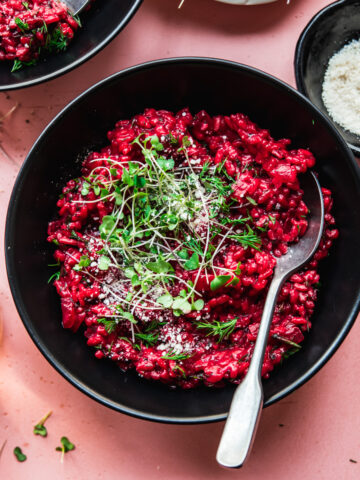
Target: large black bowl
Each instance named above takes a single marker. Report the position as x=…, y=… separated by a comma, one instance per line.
x=219, y=87
x=101, y=24
x=326, y=33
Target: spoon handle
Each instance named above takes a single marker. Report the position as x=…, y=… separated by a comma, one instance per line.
x=246, y=406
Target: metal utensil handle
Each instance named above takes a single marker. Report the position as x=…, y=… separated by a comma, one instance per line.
x=245, y=410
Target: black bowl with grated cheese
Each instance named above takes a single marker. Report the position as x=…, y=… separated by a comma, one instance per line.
x=327, y=32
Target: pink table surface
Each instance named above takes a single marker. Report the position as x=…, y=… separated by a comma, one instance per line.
x=311, y=434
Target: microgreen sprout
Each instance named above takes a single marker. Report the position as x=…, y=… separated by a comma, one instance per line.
x=39, y=428
x=66, y=446
x=20, y=456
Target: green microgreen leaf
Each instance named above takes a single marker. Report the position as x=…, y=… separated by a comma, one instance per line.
x=192, y=263
x=183, y=254
x=155, y=143
x=133, y=168
x=135, y=280
x=39, y=428
x=181, y=305
x=107, y=225
x=104, y=262
x=83, y=263
x=104, y=192
x=238, y=269
x=129, y=272
x=85, y=189
x=165, y=163
x=22, y=25
x=186, y=141
x=198, y=304
x=20, y=456
x=66, y=446
x=165, y=300
x=126, y=178
x=219, y=282
x=129, y=316
x=159, y=267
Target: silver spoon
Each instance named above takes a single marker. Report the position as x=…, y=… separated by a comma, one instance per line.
x=240, y=428
x=75, y=6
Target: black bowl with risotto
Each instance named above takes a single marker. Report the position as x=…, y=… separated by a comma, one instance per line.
x=219, y=87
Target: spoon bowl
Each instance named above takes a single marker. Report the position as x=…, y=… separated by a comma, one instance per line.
x=246, y=406
x=76, y=6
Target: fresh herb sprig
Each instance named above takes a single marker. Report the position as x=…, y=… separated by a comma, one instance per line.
x=222, y=330
x=175, y=357
x=18, y=64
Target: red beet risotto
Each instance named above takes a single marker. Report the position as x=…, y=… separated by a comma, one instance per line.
x=168, y=240
x=29, y=28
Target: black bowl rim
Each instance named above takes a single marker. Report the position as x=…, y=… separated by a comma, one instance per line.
x=67, y=68
x=10, y=261
x=301, y=45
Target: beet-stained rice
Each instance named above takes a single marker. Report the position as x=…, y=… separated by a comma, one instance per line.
x=168, y=240
x=29, y=28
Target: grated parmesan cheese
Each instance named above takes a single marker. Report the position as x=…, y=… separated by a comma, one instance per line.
x=341, y=87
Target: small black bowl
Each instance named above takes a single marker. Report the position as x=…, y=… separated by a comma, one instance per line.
x=103, y=21
x=219, y=87
x=326, y=33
